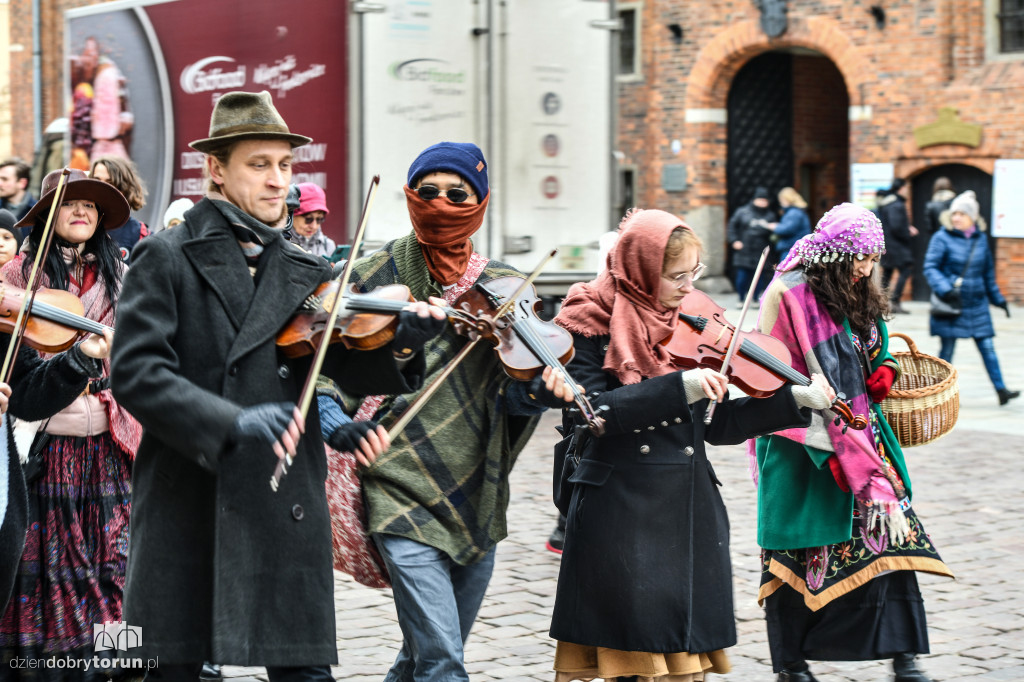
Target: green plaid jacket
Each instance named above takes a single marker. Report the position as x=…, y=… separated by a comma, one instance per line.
x=444, y=481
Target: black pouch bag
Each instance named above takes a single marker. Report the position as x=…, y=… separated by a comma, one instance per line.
x=35, y=465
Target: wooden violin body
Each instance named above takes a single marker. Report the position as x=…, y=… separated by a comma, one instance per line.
x=55, y=319
x=761, y=364
x=368, y=321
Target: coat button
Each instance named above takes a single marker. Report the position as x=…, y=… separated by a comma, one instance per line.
x=284, y=372
x=650, y=428
x=688, y=451
x=234, y=370
x=297, y=512
x=679, y=420
x=645, y=449
x=664, y=423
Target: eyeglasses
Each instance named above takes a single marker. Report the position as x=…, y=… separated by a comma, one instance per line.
x=313, y=218
x=680, y=281
x=456, y=195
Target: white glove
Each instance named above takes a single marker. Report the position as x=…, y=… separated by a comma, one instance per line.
x=812, y=396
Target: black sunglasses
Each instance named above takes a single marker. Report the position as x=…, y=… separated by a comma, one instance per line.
x=455, y=195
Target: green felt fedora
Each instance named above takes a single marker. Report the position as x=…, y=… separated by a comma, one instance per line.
x=246, y=116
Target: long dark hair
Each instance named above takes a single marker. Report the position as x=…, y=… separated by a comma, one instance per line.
x=108, y=258
x=862, y=303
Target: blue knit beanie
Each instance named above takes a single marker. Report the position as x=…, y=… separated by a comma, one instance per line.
x=464, y=158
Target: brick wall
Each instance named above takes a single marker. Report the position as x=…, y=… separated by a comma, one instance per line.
x=931, y=53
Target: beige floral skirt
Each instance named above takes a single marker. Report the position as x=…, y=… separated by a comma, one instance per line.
x=585, y=663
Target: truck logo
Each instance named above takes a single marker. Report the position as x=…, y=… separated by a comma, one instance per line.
x=195, y=78
x=425, y=70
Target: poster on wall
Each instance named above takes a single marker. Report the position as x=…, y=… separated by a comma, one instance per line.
x=1007, y=199
x=143, y=77
x=866, y=179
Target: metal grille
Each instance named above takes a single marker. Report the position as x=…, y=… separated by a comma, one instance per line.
x=760, y=135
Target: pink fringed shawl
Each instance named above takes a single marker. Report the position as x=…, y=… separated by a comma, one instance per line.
x=790, y=312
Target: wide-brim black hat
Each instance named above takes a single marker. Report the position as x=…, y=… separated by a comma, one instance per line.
x=111, y=204
x=246, y=116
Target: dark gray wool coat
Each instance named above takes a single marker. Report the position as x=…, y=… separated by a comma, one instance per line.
x=220, y=567
x=646, y=560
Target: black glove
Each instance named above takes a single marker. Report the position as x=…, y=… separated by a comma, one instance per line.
x=414, y=331
x=264, y=423
x=952, y=297
x=538, y=391
x=346, y=437
x=1005, y=306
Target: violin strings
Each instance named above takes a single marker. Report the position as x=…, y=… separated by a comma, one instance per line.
x=60, y=316
x=541, y=350
x=766, y=359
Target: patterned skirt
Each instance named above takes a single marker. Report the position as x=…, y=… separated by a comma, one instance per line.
x=855, y=600
x=72, y=570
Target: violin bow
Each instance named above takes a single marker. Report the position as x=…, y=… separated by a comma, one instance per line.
x=734, y=342
x=46, y=239
x=309, y=388
x=435, y=384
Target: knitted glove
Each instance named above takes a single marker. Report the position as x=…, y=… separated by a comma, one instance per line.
x=880, y=382
x=346, y=437
x=414, y=331
x=811, y=396
x=1005, y=306
x=82, y=363
x=264, y=423
x=837, y=473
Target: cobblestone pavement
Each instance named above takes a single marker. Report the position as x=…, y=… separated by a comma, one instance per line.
x=967, y=491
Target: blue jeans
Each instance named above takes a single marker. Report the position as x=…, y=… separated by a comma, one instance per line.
x=988, y=355
x=437, y=602
x=744, y=276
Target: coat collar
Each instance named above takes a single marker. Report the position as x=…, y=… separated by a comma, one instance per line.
x=258, y=312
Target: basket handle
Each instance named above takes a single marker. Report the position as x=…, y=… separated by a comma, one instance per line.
x=906, y=339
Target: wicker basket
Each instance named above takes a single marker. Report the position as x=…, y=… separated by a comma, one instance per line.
x=924, y=403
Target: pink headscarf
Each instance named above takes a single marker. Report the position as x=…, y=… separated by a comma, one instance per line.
x=845, y=231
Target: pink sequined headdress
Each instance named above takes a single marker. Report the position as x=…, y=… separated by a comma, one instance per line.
x=847, y=230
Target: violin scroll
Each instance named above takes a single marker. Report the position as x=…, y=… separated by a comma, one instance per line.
x=845, y=415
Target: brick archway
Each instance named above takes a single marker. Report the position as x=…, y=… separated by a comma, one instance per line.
x=719, y=60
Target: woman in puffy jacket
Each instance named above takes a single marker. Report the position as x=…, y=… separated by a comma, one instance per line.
x=961, y=271
x=794, y=222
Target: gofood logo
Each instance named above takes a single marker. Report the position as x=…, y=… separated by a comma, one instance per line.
x=197, y=78
x=425, y=70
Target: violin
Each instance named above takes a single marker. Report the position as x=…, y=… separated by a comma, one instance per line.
x=761, y=365
x=365, y=321
x=525, y=344
x=55, y=318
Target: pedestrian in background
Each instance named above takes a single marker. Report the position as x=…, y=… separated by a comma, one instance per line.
x=645, y=584
x=961, y=271
x=899, y=242
x=121, y=173
x=937, y=207
x=73, y=568
x=15, y=196
x=175, y=213
x=308, y=221
x=749, y=231
x=840, y=541
x=794, y=222
x=10, y=237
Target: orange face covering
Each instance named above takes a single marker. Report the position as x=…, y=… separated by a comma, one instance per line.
x=443, y=230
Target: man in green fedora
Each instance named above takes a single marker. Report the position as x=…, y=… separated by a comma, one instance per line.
x=220, y=566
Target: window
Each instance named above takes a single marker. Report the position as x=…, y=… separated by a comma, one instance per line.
x=629, y=42
x=626, y=198
x=1011, y=25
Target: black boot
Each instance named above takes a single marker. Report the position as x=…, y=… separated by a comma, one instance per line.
x=790, y=676
x=906, y=670
x=1006, y=395
x=556, y=542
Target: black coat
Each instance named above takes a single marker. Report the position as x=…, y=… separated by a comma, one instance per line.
x=39, y=389
x=747, y=225
x=220, y=567
x=646, y=560
x=899, y=244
